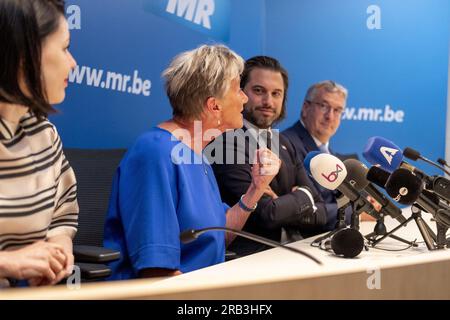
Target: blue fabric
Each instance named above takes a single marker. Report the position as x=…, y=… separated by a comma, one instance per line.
x=155, y=196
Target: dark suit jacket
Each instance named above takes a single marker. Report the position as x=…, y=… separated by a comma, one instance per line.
x=303, y=144
x=291, y=210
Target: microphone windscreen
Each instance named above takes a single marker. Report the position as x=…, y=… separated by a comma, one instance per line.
x=404, y=186
x=384, y=153
x=378, y=176
x=327, y=170
x=347, y=242
x=411, y=154
x=356, y=174
x=307, y=160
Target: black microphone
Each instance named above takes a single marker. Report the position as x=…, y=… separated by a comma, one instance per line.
x=347, y=242
x=406, y=188
x=412, y=154
x=378, y=176
x=430, y=202
x=440, y=208
x=439, y=185
x=442, y=162
x=190, y=235
x=357, y=172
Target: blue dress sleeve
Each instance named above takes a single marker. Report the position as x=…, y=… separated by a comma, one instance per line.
x=147, y=204
x=225, y=207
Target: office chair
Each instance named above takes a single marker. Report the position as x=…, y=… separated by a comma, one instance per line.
x=94, y=170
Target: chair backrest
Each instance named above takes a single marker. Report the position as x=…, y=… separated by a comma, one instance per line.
x=94, y=170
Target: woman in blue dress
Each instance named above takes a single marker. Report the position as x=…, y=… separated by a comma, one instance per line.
x=165, y=185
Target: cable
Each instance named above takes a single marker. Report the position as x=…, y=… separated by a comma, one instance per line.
x=396, y=250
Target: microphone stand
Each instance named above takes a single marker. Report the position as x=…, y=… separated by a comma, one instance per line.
x=432, y=241
x=379, y=229
x=340, y=224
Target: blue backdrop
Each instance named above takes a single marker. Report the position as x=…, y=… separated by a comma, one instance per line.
x=391, y=55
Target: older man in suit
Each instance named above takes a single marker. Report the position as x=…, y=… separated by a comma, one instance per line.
x=320, y=118
x=291, y=209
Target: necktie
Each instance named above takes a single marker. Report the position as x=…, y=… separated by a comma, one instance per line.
x=323, y=148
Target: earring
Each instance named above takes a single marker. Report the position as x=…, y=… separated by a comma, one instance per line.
x=218, y=122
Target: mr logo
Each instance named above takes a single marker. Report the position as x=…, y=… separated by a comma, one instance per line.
x=186, y=8
x=388, y=153
x=211, y=17
x=334, y=174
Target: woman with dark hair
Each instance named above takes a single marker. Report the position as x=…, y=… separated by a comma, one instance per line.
x=38, y=205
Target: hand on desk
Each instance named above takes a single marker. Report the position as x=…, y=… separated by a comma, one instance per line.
x=62, y=270
x=40, y=260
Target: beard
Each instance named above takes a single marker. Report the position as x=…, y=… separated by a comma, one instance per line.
x=259, y=120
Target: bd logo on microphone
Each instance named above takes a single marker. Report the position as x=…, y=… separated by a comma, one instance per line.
x=332, y=177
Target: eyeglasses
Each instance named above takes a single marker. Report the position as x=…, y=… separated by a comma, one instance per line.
x=325, y=107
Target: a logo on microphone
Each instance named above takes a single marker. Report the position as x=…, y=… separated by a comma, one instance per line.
x=334, y=174
x=388, y=153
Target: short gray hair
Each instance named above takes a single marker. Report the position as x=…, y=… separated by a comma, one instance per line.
x=194, y=76
x=328, y=86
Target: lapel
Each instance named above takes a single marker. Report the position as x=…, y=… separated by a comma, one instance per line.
x=285, y=173
x=306, y=138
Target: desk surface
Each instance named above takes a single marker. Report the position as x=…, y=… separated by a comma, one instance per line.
x=415, y=273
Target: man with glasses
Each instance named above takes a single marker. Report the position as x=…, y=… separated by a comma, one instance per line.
x=320, y=118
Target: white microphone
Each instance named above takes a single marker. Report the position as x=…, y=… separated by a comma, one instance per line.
x=330, y=173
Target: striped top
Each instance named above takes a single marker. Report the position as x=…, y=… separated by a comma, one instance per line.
x=37, y=185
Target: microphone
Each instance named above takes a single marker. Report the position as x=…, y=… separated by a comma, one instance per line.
x=330, y=173
x=406, y=188
x=412, y=154
x=347, y=242
x=442, y=162
x=383, y=153
x=378, y=176
x=399, y=190
x=190, y=235
x=372, y=153
x=387, y=155
x=357, y=172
